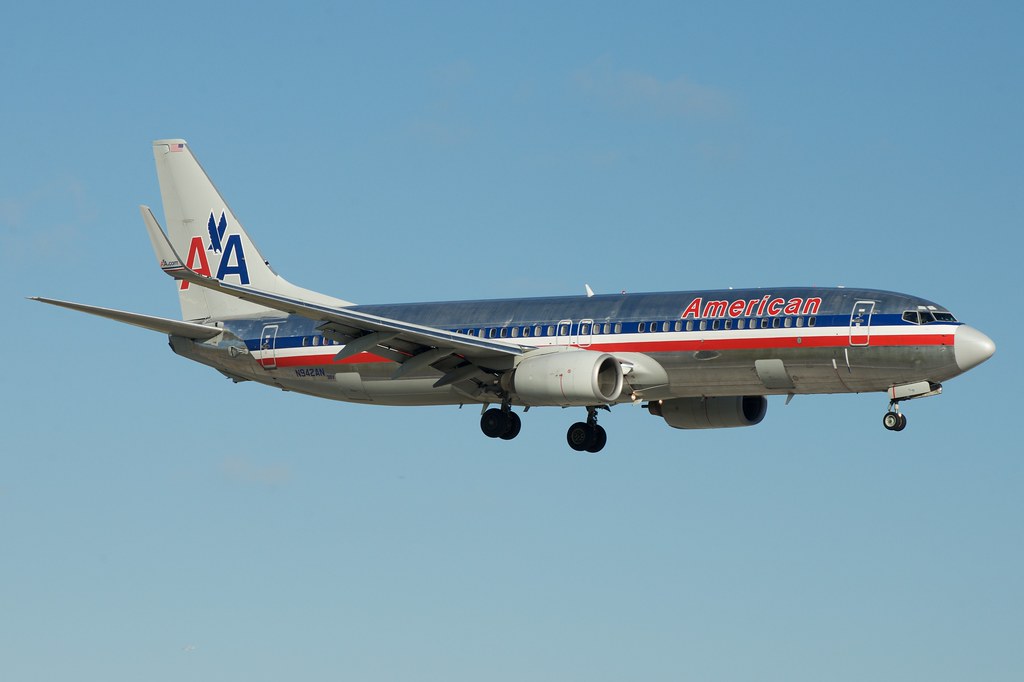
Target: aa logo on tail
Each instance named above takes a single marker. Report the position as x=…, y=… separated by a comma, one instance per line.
x=232, y=257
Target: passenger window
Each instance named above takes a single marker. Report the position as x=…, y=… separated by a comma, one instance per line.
x=728, y=324
x=305, y=341
x=584, y=329
x=811, y=321
x=741, y=324
x=714, y=325
x=551, y=330
x=689, y=325
x=641, y=327
x=563, y=330
x=664, y=326
x=776, y=323
x=703, y=325
x=316, y=340
x=515, y=332
x=678, y=326
x=607, y=328
x=764, y=323
x=618, y=327
x=799, y=321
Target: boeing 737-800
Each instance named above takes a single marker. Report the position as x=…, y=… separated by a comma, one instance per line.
x=697, y=359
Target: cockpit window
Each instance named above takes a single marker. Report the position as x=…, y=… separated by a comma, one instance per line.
x=926, y=316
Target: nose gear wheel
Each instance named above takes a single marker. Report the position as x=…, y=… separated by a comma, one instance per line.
x=894, y=420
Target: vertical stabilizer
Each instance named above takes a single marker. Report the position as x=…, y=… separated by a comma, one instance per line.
x=205, y=232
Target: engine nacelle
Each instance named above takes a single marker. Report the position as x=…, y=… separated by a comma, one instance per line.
x=576, y=377
x=711, y=413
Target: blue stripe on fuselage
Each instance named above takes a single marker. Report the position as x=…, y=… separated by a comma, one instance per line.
x=630, y=310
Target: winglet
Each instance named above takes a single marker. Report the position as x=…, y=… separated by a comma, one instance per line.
x=166, y=256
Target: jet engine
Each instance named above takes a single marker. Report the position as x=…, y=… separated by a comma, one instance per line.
x=576, y=377
x=711, y=413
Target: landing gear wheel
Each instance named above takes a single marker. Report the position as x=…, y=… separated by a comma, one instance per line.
x=600, y=437
x=903, y=422
x=579, y=436
x=514, y=426
x=892, y=421
x=494, y=423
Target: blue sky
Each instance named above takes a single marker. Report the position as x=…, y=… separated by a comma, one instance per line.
x=158, y=522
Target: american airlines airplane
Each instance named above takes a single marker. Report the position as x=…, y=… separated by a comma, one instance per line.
x=697, y=359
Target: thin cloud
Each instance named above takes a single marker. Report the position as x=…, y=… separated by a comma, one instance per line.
x=680, y=97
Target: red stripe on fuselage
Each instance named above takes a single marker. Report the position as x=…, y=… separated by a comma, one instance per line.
x=876, y=341
x=677, y=346
x=308, y=360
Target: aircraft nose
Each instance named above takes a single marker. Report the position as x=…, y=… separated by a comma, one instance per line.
x=971, y=347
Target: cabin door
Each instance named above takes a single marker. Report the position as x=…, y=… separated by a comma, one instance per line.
x=268, y=347
x=860, y=323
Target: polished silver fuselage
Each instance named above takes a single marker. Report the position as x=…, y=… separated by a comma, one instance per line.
x=851, y=340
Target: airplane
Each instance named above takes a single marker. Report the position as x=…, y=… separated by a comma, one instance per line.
x=697, y=359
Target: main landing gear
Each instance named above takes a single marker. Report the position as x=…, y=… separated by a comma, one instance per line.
x=587, y=436
x=582, y=436
x=894, y=420
x=501, y=423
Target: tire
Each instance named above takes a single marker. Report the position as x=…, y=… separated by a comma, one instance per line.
x=600, y=438
x=515, y=424
x=891, y=421
x=579, y=436
x=903, y=423
x=493, y=423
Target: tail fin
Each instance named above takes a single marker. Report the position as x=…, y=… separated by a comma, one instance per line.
x=204, y=230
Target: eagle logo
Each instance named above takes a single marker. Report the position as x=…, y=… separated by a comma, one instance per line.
x=217, y=232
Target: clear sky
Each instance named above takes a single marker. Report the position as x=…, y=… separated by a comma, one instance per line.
x=159, y=523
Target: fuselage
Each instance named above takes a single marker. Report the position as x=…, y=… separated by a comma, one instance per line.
x=702, y=343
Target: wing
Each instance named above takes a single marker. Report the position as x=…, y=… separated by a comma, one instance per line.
x=460, y=357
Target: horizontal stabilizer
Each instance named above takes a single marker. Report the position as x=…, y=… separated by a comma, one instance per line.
x=188, y=330
x=471, y=346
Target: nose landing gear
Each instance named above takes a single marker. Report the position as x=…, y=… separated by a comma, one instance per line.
x=894, y=420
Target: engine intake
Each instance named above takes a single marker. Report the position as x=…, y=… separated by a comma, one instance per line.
x=711, y=413
x=568, y=378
